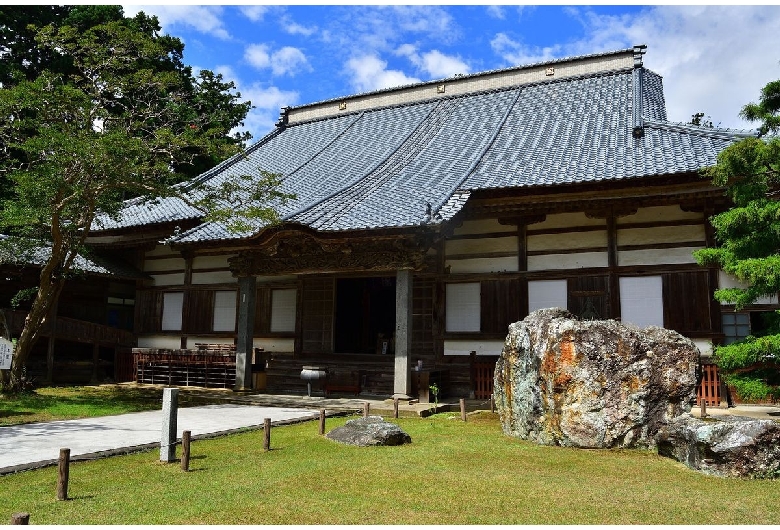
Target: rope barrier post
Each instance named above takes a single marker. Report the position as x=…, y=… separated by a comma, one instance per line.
x=63, y=473
x=185, y=450
x=20, y=518
x=267, y=434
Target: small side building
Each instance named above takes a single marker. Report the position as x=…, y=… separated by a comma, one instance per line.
x=89, y=336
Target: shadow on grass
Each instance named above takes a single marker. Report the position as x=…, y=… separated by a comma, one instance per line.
x=54, y=403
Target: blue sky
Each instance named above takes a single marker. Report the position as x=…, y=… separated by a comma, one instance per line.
x=714, y=59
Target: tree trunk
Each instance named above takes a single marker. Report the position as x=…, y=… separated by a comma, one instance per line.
x=49, y=289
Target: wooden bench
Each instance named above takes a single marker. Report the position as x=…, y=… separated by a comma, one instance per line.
x=342, y=382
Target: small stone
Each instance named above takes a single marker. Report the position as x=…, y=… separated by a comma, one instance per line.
x=370, y=431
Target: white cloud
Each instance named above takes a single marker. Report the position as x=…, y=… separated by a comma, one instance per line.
x=496, y=12
x=424, y=19
x=365, y=30
x=695, y=49
x=369, y=72
x=434, y=63
x=255, y=13
x=205, y=19
x=257, y=55
x=286, y=60
x=293, y=28
x=268, y=102
x=516, y=53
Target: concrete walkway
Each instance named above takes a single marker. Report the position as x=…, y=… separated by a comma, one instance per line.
x=760, y=412
x=38, y=444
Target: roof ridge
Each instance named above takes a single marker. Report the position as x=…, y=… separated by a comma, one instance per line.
x=717, y=132
x=508, y=88
x=467, y=76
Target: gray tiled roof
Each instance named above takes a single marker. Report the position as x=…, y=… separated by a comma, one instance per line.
x=382, y=168
x=95, y=263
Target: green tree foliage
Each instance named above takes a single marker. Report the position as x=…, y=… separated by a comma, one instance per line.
x=748, y=235
x=124, y=119
x=698, y=119
x=26, y=59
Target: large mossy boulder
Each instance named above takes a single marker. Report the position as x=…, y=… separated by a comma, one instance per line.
x=592, y=384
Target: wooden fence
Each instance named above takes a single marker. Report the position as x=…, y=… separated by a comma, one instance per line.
x=124, y=367
x=210, y=369
x=482, y=371
x=709, y=389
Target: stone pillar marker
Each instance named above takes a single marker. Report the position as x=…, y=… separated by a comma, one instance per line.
x=170, y=413
x=403, y=333
x=247, y=295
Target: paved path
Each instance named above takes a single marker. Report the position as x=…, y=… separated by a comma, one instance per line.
x=38, y=444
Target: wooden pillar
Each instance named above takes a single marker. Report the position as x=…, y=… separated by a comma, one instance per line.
x=50, y=358
x=247, y=294
x=95, y=362
x=52, y=340
x=403, y=333
x=613, y=262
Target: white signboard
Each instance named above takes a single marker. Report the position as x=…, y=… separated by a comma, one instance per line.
x=6, y=352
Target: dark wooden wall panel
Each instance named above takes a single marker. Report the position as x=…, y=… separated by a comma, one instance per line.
x=148, y=311
x=263, y=311
x=687, y=301
x=423, y=317
x=317, y=315
x=198, y=314
x=501, y=305
x=588, y=297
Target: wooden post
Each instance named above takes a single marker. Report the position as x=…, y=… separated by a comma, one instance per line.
x=20, y=518
x=95, y=362
x=185, y=450
x=463, y=409
x=63, y=472
x=473, y=373
x=267, y=432
x=492, y=404
x=322, y=422
x=395, y=408
x=366, y=408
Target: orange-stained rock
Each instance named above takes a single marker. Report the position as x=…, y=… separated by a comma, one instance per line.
x=599, y=383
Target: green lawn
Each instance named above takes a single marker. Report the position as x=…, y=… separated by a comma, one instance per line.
x=452, y=473
x=65, y=403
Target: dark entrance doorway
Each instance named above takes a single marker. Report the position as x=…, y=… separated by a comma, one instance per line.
x=365, y=310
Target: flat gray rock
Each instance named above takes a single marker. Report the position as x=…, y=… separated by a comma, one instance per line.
x=730, y=446
x=365, y=432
